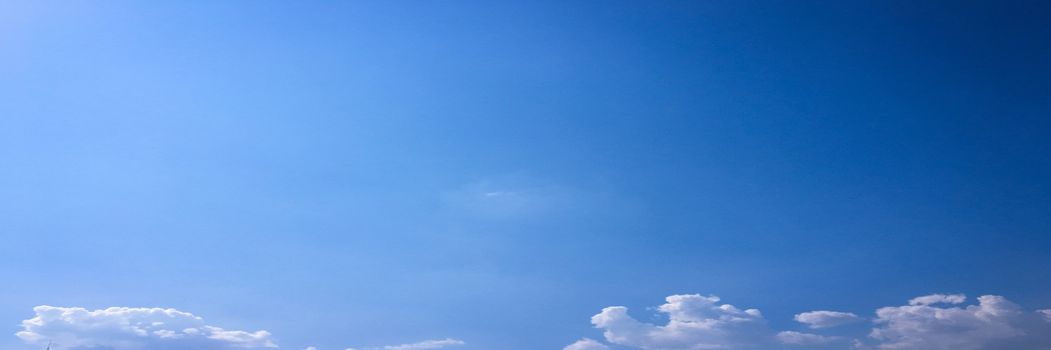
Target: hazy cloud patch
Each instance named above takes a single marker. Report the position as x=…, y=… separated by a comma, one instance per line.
x=799, y=338
x=586, y=344
x=501, y=200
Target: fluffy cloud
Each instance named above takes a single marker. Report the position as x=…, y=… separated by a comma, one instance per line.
x=122, y=328
x=923, y=325
x=694, y=322
x=826, y=319
x=586, y=344
x=931, y=322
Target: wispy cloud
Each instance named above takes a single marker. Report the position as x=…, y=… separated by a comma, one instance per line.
x=426, y=344
x=510, y=199
x=422, y=345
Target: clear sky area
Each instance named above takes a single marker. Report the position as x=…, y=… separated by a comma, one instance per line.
x=525, y=175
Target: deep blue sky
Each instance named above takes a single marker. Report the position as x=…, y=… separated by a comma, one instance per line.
x=367, y=173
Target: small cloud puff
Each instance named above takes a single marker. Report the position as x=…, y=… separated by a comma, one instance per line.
x=826, y=319
x=938, y=299
x=124, y=328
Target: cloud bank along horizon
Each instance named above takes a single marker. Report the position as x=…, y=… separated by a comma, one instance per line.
x=694, y=321
x=130, y=328
x=930, y=322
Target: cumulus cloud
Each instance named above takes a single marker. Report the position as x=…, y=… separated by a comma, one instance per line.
x=694, y=322
x=426, y=344
x=586, y=344
x=798, y=338
x=922, y=325
x=826, y=319
x=930, y=322
x=123, y=328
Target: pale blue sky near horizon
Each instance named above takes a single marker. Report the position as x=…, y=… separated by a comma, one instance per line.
x=354, y=174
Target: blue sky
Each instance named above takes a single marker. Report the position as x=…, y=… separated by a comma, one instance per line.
x=361, y=174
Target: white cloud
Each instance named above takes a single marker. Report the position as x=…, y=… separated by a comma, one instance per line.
x=426, y=344
x=586, y=344
x=923, y=326
x=938, y=299
x=931, y=322
x=826, y=319
x=797, y=338
x=123, y=328
x=694, y=322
